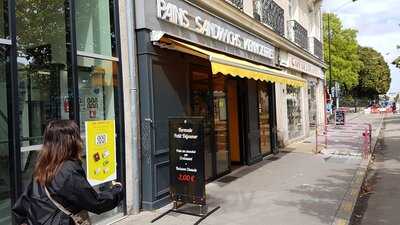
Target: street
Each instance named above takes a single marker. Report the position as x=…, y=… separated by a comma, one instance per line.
x=378, y=204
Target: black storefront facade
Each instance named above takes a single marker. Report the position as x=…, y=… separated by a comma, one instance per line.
x=180, y=52
x=58, y=60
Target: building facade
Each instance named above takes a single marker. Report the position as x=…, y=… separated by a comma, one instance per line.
x=251, y=68
x=63, y=60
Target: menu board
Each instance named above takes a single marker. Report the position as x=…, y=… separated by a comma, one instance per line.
x=186, y=144
x=101, y=158
x=339, y=117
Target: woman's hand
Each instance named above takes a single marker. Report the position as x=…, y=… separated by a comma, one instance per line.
x=115, y=183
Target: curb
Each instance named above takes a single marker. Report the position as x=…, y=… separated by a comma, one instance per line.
x=345, y=210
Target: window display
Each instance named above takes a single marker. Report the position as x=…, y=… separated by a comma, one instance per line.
x=312, y=103
x=295, y=123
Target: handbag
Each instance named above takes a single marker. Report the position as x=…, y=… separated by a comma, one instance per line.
x=80, y=218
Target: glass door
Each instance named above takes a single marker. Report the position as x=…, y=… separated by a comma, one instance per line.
x=43, y=74
x=264, y=119
x=221, y=124
x=201, y=104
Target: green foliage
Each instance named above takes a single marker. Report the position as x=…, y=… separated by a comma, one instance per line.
x=374, y=77
x=344, y=52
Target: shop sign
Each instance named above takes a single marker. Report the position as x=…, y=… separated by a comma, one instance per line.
x=339, y=117
x=101, y=158
x=186, y=144
x=293, y=62
x=179, y=16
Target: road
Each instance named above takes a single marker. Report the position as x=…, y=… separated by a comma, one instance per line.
x=379, y=203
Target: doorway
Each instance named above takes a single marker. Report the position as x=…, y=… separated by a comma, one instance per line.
x=215, y=98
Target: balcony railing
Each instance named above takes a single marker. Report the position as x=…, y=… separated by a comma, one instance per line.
x=237, y=3
x=298, y=34
x=317, y=48
x=270, y=14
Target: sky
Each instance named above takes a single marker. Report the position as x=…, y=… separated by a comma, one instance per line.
x=378, y=23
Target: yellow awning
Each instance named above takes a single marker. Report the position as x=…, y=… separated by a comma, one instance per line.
x=227, y=65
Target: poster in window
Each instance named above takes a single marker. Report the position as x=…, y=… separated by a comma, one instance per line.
x=101, y=159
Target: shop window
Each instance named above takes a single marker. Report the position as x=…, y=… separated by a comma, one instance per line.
x=312, y=104
x=43, y=76
x=95, y=31
x=295, y=126
x=4, y=141
x=4, y=27
x=98, y=88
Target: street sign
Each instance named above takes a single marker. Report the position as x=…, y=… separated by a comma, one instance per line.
x=186, y=144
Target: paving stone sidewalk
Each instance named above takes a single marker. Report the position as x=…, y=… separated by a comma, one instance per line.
x=291, y=188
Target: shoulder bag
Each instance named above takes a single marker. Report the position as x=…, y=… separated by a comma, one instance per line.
x=80, y=218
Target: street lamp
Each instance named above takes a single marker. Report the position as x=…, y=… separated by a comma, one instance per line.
x=329, y=44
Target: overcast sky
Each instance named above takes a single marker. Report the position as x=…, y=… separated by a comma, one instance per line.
x=378, y=23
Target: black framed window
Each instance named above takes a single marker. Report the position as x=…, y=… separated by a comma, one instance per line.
x=5, y=184
x=44, y=90
x=48, y=49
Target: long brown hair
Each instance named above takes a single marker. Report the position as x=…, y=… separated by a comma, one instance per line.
x=62, y=141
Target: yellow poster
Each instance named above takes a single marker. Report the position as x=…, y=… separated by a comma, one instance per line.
x=101, y=158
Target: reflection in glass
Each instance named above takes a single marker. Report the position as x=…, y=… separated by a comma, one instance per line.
x=312, y=104
x=201, y=107
x=43, y=75
x=5, y=218
x=220, y=124
x=295, y=126
x=263, y=119
x=95, y=27
x=4, y=28
x=97, y=93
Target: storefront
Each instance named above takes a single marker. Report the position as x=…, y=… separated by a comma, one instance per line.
x=59, y=60
x=304, y=105
x=192, y=63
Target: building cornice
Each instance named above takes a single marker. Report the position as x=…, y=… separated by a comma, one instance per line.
x=240, y=19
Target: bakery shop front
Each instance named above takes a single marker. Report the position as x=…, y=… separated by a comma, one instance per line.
x=192, y=63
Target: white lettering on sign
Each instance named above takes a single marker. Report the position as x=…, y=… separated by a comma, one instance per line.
x=301, y=65
x=173, y=14
x=170, y=12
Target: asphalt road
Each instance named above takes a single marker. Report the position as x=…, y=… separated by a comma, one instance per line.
x=380, y=201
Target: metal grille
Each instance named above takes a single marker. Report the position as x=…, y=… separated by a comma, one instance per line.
x=271, y=14
x=298, y=34
x=317, y=48
x=237, y=3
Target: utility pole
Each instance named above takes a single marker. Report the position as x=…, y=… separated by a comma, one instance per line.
x=329, y=53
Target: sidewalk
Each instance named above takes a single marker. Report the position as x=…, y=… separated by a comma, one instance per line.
x=288, y=189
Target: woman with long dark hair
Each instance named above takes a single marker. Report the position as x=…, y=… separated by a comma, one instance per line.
x=59, y=193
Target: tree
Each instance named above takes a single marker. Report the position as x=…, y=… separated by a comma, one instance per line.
x=374, y=76
x=344, y=52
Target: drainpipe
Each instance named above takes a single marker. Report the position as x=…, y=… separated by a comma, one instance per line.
x=135, y=128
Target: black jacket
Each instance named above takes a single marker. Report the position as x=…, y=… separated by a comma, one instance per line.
x=69, y=188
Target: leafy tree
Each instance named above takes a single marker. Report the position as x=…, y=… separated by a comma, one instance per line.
x=374, y=76
x=344, y=52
